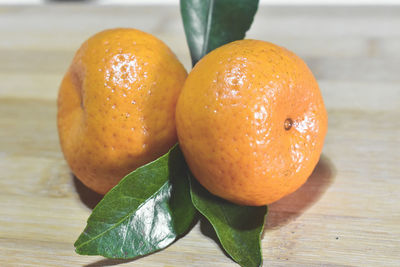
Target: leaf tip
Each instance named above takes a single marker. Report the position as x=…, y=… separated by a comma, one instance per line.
x=79, y=251
x=79, y=243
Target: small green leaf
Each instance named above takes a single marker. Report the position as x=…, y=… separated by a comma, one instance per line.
x=238, y=228
x=144, y=213
x=211, y=23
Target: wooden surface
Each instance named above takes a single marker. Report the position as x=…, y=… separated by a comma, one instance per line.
x=348, y=213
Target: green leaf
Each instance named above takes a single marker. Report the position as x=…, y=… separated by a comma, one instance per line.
x=238, y=228
x=211, y=23
x=144, y=213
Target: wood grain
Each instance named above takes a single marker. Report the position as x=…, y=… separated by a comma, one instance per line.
x=347, y=214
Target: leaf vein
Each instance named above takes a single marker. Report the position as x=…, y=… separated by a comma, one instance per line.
x=208, y=27
x=100, y=235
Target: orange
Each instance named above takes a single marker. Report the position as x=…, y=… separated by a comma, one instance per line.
x=251, y=122
x=116, y=105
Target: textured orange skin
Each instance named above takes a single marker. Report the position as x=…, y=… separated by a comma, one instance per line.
x=231, y=122
x=116, y=105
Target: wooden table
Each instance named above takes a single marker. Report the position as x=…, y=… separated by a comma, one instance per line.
x=348, y=213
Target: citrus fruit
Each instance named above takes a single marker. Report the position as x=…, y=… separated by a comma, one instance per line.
x=251, y=122
x=116, y=105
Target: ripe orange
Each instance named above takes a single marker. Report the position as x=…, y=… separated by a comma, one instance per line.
x=116, y=105
x=251, y=122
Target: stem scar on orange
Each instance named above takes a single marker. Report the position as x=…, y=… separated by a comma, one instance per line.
x=251, y=122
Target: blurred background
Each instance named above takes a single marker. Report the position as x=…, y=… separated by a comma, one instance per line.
x=354, y=43
x=268, y=2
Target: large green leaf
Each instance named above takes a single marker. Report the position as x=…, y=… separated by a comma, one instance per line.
x=144, y=213
x=211, y=23
x=238, y=228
